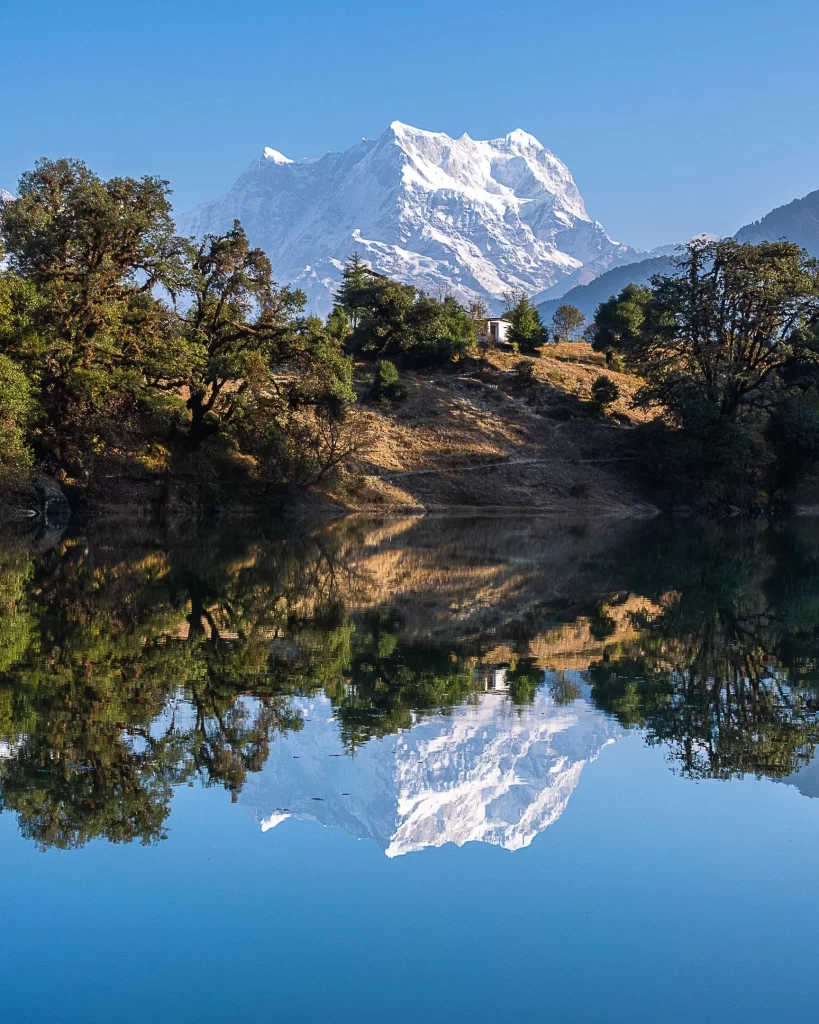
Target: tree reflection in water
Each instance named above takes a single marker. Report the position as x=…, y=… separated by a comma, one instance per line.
x=133, y=663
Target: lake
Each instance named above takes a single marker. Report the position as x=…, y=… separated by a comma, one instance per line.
x=410, y=770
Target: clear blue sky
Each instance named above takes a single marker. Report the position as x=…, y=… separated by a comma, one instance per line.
x=674, y=117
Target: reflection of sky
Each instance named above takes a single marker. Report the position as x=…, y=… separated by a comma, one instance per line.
x=488, y=771
x=600, y=920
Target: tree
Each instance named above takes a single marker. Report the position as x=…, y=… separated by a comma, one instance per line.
x=527, y=331
x=726, y=326
x=617, y=321
x=86, y=255
x=387, y=383
x=17, y=406
x=437, y=330
x=235, y=326
x=567, y=323
x=478, y=313
x=351, y=295
x=394, y=319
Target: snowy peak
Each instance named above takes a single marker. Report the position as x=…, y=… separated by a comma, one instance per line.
x=516, y=168
x=477, y=218
x=275, y=156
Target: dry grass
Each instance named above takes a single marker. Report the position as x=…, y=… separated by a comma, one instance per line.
x=474, y=438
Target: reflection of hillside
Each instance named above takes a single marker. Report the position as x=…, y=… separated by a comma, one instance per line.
x=465, y=577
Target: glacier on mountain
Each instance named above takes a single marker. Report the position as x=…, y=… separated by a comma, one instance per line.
x=487, y=771
x=474, y=218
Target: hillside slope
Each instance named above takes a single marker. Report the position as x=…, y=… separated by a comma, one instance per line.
x=476, y=438
x=797, y=221
x=587, y=297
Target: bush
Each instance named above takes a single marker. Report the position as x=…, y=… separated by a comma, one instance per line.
x=387, y=385
x=604, y=392
x=793, y=434
x=524, y=374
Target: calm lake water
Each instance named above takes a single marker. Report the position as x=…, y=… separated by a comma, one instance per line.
x=423, y=770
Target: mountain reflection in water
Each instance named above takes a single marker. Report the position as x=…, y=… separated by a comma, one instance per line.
x=416, y=682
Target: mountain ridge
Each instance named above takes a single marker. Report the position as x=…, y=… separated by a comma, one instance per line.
x=797, y=221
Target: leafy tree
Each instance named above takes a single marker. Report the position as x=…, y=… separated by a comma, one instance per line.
x=567, y=322
x=393, y=319
x=438, y=330
x=235, y=325
x=527, y=331
x=387, y=382
x=617, y=321
x=17, y=406
x=92, y=251
x=726, y=325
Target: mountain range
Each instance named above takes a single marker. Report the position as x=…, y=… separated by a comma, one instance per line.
x=797, y=221
x=475, y=218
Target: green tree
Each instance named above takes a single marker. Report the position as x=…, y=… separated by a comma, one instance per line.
x=618, y=321
x=234, y=326
x=567, y=322
x=387, y=382
x=437, y=330
x=17, y=405
x=91, y=251
x=604, y=392
x=527, y=331
x=351, y=297
x=727, y=324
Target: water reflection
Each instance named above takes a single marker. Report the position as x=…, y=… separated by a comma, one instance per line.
x=488, y=772
x=417, y=682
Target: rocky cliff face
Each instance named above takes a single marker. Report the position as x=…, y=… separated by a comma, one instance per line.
x=487, y=772
x=476, y=218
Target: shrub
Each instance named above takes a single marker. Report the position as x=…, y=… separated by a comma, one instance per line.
x=604, y=392
x=387, y=382
x=524, y=374
x=793, y=434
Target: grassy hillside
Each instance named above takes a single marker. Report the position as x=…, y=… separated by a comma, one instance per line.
x=477, y=437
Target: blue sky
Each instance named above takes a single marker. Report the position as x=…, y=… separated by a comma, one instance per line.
x=673, y=117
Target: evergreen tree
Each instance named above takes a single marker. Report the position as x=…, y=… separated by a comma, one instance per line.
x=527, y=331
x=356, y=278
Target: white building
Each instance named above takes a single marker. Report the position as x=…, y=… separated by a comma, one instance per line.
x=497, y=331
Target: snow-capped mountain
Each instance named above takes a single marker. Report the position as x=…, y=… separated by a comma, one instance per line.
x=477, y=218
x=486, y=772
x=4, y=197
